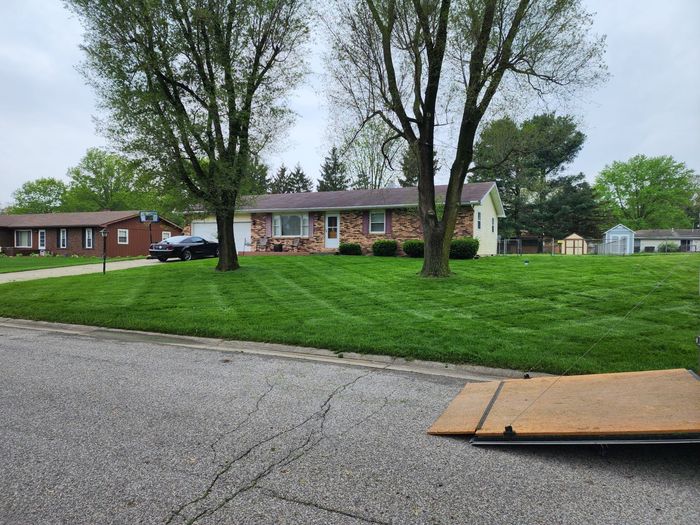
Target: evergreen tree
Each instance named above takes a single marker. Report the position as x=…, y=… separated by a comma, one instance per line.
x=333, y=173
x=410, y=169
x=286, y=181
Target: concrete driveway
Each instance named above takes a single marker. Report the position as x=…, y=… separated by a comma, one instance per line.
x=80, y=269
x=99, y=430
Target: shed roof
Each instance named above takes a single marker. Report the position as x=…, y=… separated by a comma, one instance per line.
x=473, y=193
x=573, y=236
x=620, y=227
x=668, y=234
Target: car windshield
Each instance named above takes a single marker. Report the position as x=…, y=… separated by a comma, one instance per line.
x=175, y=240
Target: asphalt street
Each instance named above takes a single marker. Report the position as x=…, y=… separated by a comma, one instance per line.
x=100, y=430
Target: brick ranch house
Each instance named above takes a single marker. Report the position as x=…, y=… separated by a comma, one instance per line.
x=79, y=233
x=319, y=221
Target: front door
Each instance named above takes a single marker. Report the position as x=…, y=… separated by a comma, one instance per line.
x=332, y=230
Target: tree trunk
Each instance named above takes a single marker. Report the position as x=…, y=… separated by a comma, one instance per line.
x=228, y=256
x=436, y=254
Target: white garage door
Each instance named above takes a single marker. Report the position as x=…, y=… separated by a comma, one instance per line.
x=241, y=232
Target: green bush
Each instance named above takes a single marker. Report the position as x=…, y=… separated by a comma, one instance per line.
x=666, y=247
x=349, y=248
x=385, y=248
x=464, y=248
x=413, y=248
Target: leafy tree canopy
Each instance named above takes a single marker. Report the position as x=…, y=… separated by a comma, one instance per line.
x=524, y=160
x=44, y=195
x=649, y=192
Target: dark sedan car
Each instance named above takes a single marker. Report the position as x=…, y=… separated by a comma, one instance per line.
x=184, y=247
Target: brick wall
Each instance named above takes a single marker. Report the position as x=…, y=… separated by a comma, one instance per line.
x=405, y=225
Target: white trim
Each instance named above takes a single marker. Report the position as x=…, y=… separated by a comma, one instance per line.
x=126, y=234
x=40, y=245
x=90, y=237
x=328, y=242
x=369, y=225
x=62, y=239
x=30, y=238
x=277, y=225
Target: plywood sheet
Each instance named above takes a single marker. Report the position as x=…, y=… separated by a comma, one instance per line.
x=661, y=402
x=464, y=412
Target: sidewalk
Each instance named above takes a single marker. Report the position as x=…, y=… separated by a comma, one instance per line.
x=64, y=271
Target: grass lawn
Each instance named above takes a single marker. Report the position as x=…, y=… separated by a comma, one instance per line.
x=24, y=263
x=494, y=311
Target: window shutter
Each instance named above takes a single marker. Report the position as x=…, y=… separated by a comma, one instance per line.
x=387, y=218
x=268, y=225
x=311, y=225
x=365, y=223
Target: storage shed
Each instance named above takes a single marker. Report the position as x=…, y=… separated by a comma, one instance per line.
x=618, y=240
x=574, y=244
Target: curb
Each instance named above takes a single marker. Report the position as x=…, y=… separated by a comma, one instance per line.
x=397, y=364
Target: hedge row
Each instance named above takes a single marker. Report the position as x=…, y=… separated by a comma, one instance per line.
x=461, y=248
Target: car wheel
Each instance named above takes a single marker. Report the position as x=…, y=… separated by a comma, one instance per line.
x=162, y=259
x=186, y=255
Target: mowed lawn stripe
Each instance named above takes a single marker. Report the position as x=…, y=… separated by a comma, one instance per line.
x=494, y=311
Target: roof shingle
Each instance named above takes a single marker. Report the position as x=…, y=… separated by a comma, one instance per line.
x=75, y=219
x=472, y=193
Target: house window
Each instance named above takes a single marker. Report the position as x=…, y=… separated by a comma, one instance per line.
x=63, y=238
x=164, y=235
x=296, y=225
x=377, y=221
x=42, y=240
x=493, y=224
x=478, y=220
x=88, y=238
x=122, y=236
x=23, y=238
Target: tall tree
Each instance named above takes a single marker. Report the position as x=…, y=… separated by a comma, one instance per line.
x=523, y=160
x=333, y=173
x=38, y=196
x=408, y=61
x=102, y=181
x=372, y=156
x=571, y=207
x=286, y=181
x=410, y=168
x=649, y=192
x=197, y=85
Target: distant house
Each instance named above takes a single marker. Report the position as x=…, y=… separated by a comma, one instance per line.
x=618, y=240
x=649, y=240
x=574, y=244
x=79, y=233
x=320, y=221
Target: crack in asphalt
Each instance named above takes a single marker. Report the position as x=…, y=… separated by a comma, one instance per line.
x=306, y=503
x=246, y=418
x=320, y=413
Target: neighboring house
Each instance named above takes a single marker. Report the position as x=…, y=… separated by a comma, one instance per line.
x=79, y=233
x=574, y=244
x=649, y=240
x=618, y=240
x=320, y=221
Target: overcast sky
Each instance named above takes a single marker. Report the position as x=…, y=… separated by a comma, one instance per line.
x=651, y=104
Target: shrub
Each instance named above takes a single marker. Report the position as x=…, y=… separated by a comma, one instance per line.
x=349, y=248
x=464, y=248
x=413, y=248
x=666, y=247
x=385, y=248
